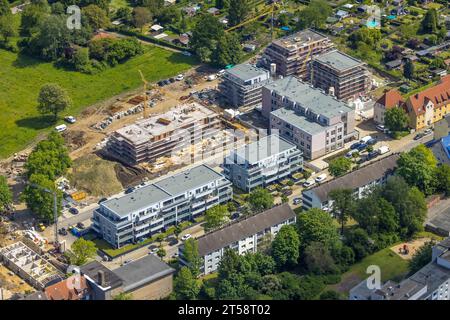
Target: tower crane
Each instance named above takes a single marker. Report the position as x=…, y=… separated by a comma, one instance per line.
x=144, y=112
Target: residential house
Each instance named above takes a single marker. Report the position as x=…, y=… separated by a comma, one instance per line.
x=390, y=99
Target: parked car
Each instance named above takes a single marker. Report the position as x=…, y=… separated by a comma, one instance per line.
x=102, y=200
x=321, y=178
x=61, y=128
x=355, y=146
x=73, y=210
x=287, y=192
x=297, y=201
x=371, y=142
x=186, y=236
x=161, y=83
x=308, y=183
x=172, y=80
x=381, y=128
x=372, y=155
x=234, y=216
x=362, y=147
x=80, y=225
x=70, y=119
x=153, y=251
x=62, y=231
x=362, y=159
x=179, y=77
x=419, y=136
x=129, y=190
x=166, y=82
x=350, y=153
x=427, y=132
x=365, y=139
x=383, y=149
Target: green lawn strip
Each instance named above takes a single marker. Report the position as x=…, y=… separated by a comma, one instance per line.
x=21, y=78
x=391, y=266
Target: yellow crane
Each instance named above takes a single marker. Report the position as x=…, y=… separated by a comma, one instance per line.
x=144, y=112
x=273, y=8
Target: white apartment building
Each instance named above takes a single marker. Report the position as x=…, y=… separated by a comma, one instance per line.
x=242, y=236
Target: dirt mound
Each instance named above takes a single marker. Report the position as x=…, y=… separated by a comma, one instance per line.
x=96, y=176
x=129, y=176
x=75, y=139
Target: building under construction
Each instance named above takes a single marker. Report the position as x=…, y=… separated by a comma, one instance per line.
x=161, y=135
x=291, y=54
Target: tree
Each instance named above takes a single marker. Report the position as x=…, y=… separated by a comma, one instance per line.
x=4, y=8
x=6, y=196
x=330, y=295
x=430, y=21
x=7, y=27
x=216, y=216
x=284, y=199
x=260, y=199
x=123, y=296
x=95, y=17
x=53, y=99
x=228, y=50
x=80, y=60
x=31, y=18
x=238, y=11
x=409, y=70
x=161, y=253
x=315, y=14
x=417, y=167
x=443, y=178
x=285, y=247
x=141, y=16
x=343, y=205
x=192, y=257
x=124, y=13
x=82, y=250
x=339, y=166
x=177, y=231
x=186, y=286
x=396, y=119
x=316, y=225
x=39, y=201
x=222, y=4
x=58, y=8
x=358, y=240
x=421, y=257
x=318, y=259
x=205, y=36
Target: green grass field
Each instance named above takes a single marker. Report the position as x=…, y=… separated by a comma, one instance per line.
x=21, y=77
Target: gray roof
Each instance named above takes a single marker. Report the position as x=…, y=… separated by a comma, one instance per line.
x=242, y=229
x=299, y=121
x=91, y=270
x=338, y=60
x=312, y=98
x=189, y=179
x=143, y=271
x=246, y=71
x=357, y=178
x=263, y=148
x=300, y=38
x=162, y=190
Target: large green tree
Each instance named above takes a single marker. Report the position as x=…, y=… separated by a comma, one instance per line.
x=343, y=205
x=7, y=28
x=81, y=251
x=430, y=22
x=216, y=216
x=238, y=11
x=191, y=256
x=339, y=166
x=95, y=17
x=318, y=259
x=205, y=36
x=443, y=178
x=6, y=196
x=285, y=247
x=4, y=8
x=409, y=69
x=421, y=257
x=141, y=16
x=260, y=199
x=53, y=99
x=228, y=51
x=315, y=225
x=315, y=14
x=186, y=286
x=396, y=119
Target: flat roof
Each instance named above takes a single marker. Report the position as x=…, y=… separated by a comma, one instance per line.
x=246, y=71
x=309, y=97
x=143, y=271
x=241, y=229
x=338, y=60
x=92, y=269
x=162, y=190
x=301, y=122
x=357, y=178
x=263, y=148
x=300, y=38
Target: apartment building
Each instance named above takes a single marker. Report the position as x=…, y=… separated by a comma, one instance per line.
x=150, y=209
x=262, y=162
x=390, y=99
x=429, y=283
x=292, y=53
x=430, y=105
x=340, y=75
x=148, y=139
x=243, y=236
x=315, y=122
x=360, y=181
x=242, y=85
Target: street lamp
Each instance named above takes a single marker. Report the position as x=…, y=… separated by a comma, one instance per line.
x=55, y=207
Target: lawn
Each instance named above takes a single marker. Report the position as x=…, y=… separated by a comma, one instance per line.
x=21, y=77
x=391, y=266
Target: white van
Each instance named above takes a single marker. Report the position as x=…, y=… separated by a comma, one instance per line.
x=383, y=149
x=61, y=128
x=365, y=139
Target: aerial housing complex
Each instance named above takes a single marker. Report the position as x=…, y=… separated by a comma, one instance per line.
x=340, y=75
x=154, y=207
x=292, y=53
x=148, y=139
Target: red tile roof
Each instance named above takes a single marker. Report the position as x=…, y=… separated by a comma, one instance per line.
x=390, y=99
x=67, y=289
x=438, y=94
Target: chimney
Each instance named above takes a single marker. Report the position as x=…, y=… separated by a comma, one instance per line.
x=273, y=70
x=101, y=278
